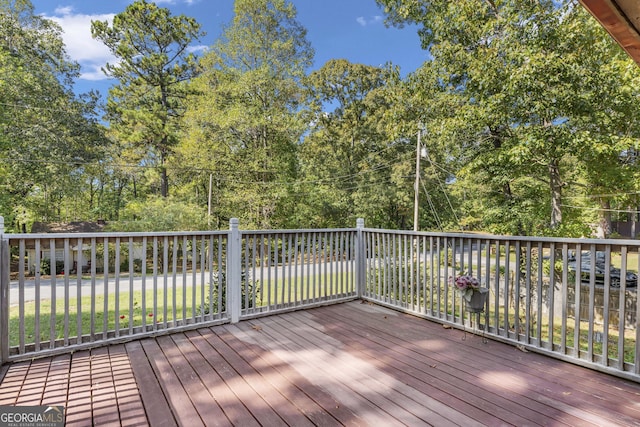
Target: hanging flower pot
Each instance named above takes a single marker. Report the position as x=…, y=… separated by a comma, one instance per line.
x=477, y=301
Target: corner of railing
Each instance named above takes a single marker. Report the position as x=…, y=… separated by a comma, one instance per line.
x=234, y=281
x=360, y=257
x=4, y=295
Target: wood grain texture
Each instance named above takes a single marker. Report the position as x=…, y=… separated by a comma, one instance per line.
x=352, y=364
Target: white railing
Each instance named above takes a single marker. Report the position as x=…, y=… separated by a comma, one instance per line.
x=285, y=270
x=574, y=299
x=64, y=292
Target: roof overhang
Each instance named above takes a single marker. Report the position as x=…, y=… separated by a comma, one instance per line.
x=621, y=18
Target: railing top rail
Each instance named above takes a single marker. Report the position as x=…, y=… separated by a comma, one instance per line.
x=101, y=235
x=462, y=235
x=480, y=236
x=293, y=231
x=122, y=234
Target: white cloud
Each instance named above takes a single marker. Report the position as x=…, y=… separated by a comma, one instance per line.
x=197, y=49
x=368, y=21
x=187, y=2
x=93, y=72
x=91, y=54
x=66, y=10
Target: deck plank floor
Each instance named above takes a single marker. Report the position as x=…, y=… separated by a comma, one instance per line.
x=346, y=364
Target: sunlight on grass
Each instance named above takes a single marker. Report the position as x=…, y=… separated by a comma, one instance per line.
x=129, y=310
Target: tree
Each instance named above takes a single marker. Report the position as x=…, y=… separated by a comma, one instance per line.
x=530, y=73
x=154, y=63
x=422, y=103
x=347, y=160
x=246, y=120
x=47, y=133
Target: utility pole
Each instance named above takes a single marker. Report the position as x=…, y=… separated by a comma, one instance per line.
x=209, y=201
x=416, y=199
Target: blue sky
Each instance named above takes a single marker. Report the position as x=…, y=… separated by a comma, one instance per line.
x=349, y=29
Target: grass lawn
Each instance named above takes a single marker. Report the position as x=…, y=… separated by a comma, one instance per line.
x=131, y=310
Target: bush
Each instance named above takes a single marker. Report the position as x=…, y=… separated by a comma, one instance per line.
x=137, y=265
x=160, y=214
x=45, y=266
x=249, y=290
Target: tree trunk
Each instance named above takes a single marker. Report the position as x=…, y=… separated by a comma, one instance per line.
x=164, y=190
x=604, y=218
x=164, y=183
x=92, y=193
x=119, y=203
x=164, y=150
x=135, y=188
x=555, y=185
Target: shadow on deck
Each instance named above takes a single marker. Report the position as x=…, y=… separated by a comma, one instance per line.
x=344, y=364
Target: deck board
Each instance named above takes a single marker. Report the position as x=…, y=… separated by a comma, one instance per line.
x=395, y=398
x=529, y=378
x=150, y=391
x=239, y=385
x=319, y=368
x=81, y=398
x=426, y=368
x=281, y=410
x=423, y=384
x=319, y=405
x=180, y=402
x=232, y=408
x=344, y=364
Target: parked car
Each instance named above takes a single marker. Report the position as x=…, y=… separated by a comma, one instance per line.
x=615, y=274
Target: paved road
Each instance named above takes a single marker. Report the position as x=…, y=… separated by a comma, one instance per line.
x=123, y=284
x=136, y=284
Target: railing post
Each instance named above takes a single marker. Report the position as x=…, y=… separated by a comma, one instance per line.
x=360, y=257
x=4, y=295
x=234, y=273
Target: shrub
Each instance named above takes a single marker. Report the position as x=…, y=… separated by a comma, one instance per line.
x=45, y=266
x=249, y=290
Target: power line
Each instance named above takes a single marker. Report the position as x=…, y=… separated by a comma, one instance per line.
x=224, y=178
x=601, y=209
x=602, y=196
x=432, y=206
x=82, y=162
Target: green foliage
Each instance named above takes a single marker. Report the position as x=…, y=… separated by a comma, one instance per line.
x=527, y=110
x=350, y=165
x=153, y=62
x=546, y=108
x=137, y=265
x=45, y=266
x=249, y=292
x=47, y=133
x=161, y=214
x=245, y=124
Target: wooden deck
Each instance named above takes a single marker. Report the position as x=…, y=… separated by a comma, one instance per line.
x=349, y=364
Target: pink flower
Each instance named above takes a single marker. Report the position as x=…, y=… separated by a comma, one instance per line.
x=465, y=282
x=466, y=285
